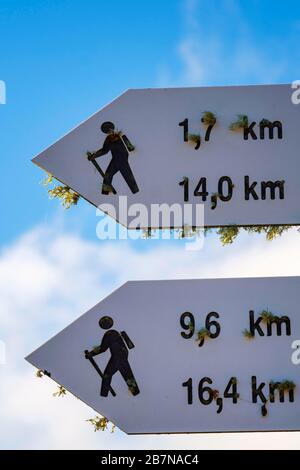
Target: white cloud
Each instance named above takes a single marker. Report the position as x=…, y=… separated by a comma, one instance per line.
x=219, y=47
x=194, y=67
x=48, y=278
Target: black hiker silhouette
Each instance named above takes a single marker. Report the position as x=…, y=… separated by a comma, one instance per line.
x=117, y=343
x=119, y=146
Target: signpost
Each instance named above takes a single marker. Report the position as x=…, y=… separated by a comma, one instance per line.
x=232, y=149
x=186, y=356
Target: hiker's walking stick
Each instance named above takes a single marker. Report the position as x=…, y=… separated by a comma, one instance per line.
x=95, y=365
x=98, y=168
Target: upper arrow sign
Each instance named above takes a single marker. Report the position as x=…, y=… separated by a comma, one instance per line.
x=232, y=149
x=135, y=357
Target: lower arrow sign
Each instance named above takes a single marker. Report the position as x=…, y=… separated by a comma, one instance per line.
x=215, y=355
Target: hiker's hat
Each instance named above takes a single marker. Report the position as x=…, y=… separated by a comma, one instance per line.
x=106, y=322
x=107, y=127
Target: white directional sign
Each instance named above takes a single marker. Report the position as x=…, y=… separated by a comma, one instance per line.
x=232, y=149
x=186, y=356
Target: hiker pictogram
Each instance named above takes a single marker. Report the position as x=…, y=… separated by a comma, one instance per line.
x=119, y=145
x=118, y=344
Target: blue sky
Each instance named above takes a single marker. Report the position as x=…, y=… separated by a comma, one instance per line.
x=62, y=61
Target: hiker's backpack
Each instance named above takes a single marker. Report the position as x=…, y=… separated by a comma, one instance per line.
x=127, y=340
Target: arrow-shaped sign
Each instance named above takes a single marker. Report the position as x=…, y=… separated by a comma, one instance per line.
x=186, y=356
x=233, y=150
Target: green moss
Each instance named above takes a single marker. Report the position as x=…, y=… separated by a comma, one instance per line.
x=202, y=334
x=240, y=123
x=67, y=197
x=47, y=180
x=228, y=234
x=271, y=231
x=287, y=385
x=247, y=334
x=100, y=423
x=61, y=391
x=194, y=138
x=187, y=232
x=265, y=122
x=267, y=316
x=209, y=118
x=147, y=233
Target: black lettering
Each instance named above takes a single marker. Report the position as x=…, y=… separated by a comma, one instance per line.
x=272, y=185
x=185, y=125
x=254, y=325
x=189, y=385
x=249, y=190
x=257, y=391
x=265, y=124
x=185, y=184
x=248, y=130
x=227, y=180
x=188, y=325
x=278, y=322
x=273, y=386
x=219, y=403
